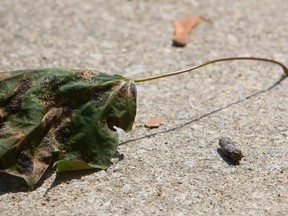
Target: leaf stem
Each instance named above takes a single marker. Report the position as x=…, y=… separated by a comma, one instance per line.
x=285, y=68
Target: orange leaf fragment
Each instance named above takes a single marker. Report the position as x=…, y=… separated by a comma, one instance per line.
x=154, y=122
x=182, y=29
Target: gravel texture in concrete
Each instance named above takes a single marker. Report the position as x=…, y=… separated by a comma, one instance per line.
x=175, y=169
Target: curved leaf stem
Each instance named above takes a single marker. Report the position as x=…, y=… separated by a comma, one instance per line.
x=285, y=68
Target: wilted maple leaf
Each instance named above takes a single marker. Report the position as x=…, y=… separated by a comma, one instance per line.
x=67, y=112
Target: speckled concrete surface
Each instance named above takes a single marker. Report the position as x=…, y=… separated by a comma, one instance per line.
x=172, y=172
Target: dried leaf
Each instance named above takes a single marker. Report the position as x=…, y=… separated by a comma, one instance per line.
x=182, y=29
x=70, y=113
x=153, y=122
x=229, y=149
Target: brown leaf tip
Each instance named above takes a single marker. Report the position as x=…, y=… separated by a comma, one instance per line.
x=15, y=100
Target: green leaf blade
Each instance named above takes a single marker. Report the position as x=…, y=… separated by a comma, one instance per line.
x=71, y=112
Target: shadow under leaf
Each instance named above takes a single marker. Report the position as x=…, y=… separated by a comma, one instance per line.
x=12, y=184
x=66, y=177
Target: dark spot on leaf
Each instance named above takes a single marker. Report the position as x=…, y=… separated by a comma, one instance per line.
x=25, y=165
x=122, y=93
x=62, y=135
x=48, y=96
x=25, y=84
x=15, y=100
x=67, y=111
x=50, y=83
x=133, y=89
x=100, y=98
x=48, y=142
